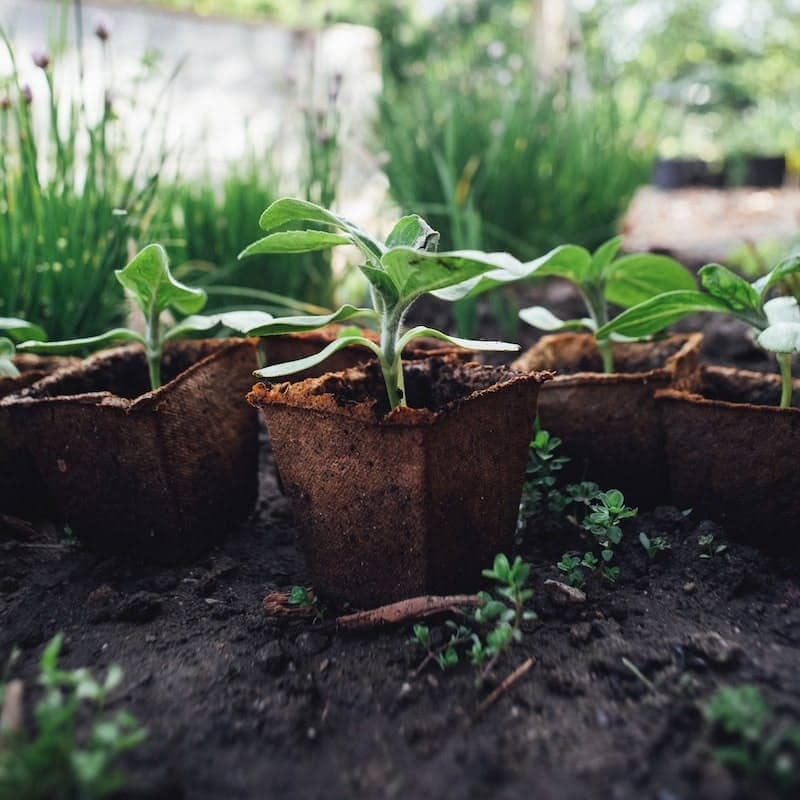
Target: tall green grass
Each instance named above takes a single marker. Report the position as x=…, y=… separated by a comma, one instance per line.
x=75, y=195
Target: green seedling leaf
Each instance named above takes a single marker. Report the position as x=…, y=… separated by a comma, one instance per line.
x=658, y=312
x=604, y=256
x=467, y=344
x=302, y=364
x=295, y=242
x=20, y=329
x=543, y=319
x=567, y=261
x=790, y=266
x=297, y=324
x=7, y=351
x=729, y=287
x=239, y=321
x=287, y=210
x=382, y=283
x=149, y=278
x=413, y=231
x=638, y=277
x=71, y=345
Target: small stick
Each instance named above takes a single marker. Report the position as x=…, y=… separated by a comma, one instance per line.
x=413, y=608
x=276, y=604
x=11, y=712
x=508, y=683
x=639, y=674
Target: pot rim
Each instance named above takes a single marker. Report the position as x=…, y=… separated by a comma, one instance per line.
x=696, y=399
x=691, y=342
x=107, y=399
x=299, y=395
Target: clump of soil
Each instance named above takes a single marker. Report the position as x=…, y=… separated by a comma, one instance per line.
x=236, y=701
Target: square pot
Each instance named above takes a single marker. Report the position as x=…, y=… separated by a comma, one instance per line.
x=21, y=493
x=609, y=423
x=418, y=500
x=734, y=455
x=160, y=475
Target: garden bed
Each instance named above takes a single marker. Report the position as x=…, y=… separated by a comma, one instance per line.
x=236, y=701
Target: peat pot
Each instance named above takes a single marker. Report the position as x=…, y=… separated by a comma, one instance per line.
x=734, y=456
x=159, y=475
x=609, y=424
x=20, y=488
x=293, y=346
x=417, y=500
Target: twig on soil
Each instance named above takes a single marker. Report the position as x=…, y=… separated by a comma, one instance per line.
x=639, y=674
x=413, y=608
x=507, y=684
x=277, y=604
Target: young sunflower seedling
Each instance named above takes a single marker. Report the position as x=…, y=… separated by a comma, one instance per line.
x=18, y=330
x=601, y=278
x=399, y=270
x=776, y=321
x=154, y=289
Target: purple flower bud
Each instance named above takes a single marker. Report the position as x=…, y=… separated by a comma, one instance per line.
x=102, y=28
x=5, y=103
x=27, y=95
x=41, y=58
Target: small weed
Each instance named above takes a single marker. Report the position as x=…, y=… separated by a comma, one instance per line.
x=302, y=597
x=654, y=546
x=754, y=743
x=59, y=761
x=708, y=546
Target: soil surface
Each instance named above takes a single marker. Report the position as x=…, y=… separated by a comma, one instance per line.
x=242, y=705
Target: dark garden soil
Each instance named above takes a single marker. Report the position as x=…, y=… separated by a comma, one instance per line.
x=240, y=705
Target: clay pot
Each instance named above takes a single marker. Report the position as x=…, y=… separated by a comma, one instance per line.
x=292, y=346
x=160, y=475
x=21, y=493
x=418, y=500
x=609, y=423
x=734, y=456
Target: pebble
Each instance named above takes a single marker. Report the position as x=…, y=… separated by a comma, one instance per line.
x=563, y=594
x=715, y=649
x=689, y=587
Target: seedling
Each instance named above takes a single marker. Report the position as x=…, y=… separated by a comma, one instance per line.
x=776, y=322
x=301, y=597
x=154, y=289
x=755, y=744
x=709, y=548
x=445, y=655
x=399, y=270
x=600, y=277
x=572, y=566
x=654, y=546
x=17, y=330
x=541, y=475
x=63, y=759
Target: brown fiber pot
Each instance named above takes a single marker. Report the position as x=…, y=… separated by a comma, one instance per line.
x=414, y=501
x=156, y=475
x=20, y=487
x=609, y=423
x=292, y=346
x=734, y=456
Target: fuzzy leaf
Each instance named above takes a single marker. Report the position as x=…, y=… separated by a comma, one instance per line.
x=295, y=242
x=70, y=345
x=790, y=266
x=467, y=344
x=413, y=231
x=658, y=312
x=18, y=329
x=287, y=210
x=301, y=364
x=382, y=283
x=149, y=278
x=239, y=321
x=729, y=287
x=638, y=277
x=543, y=319
x=296, y=324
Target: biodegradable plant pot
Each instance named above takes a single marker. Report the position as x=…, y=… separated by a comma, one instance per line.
x=21, y=493
x=677, y=173
x=293, y=346
x=418, y=500
x=765, y=171
x=734, y=456
x=159, y=475
x=609, y=423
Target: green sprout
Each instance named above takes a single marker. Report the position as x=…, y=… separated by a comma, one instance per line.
x=655, y=545
x=708, y=547
x=154, y=289
x=18, y=330
x=399, y=270
x=776, y=322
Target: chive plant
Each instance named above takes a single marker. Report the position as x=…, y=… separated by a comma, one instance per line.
x=399, y=270
x=155, y=290
x=602, y=278
x=776, y=321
